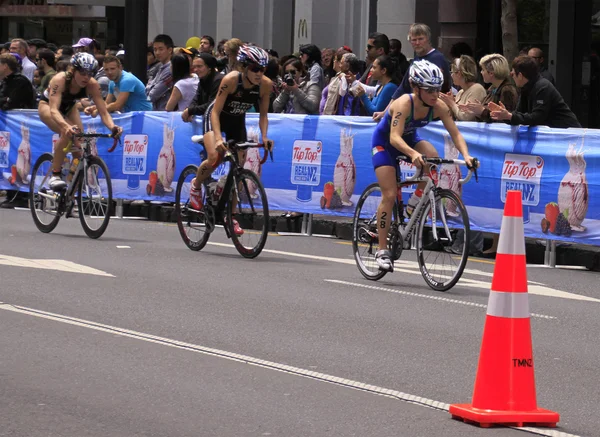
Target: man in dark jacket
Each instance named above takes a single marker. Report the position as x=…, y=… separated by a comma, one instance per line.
x=16, y=91
x=539, y=104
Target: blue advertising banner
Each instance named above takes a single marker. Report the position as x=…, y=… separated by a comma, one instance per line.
x=323, y=163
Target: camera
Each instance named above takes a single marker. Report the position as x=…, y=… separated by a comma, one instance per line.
x=289, y=79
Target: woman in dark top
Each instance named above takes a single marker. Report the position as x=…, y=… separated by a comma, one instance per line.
x=210, y=80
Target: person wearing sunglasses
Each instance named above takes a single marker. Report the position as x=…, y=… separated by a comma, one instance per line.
x=397, y=134
x=238, y=93
x=57, y=107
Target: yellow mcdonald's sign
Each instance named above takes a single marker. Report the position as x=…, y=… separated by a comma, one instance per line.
x=303, y=28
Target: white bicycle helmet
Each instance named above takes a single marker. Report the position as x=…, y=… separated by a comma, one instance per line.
x=253, y=54
x=84, y=61
x=425, y=74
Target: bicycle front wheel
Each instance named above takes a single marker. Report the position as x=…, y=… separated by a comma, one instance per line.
x=442, y=251
x=249, y=198
x=42, y=201
x=365, y=239
x=94, y=198
x=191, y=223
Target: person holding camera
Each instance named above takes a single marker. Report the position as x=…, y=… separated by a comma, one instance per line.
x=299, y=95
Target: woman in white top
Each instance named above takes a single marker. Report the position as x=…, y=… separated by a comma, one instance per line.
x=185, y=86
x=464, y=75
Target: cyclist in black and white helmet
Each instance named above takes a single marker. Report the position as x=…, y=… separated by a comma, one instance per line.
x=57, y=107
x=397, y=134
x=239, y=91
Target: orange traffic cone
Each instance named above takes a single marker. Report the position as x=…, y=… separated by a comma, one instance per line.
x=505, y=384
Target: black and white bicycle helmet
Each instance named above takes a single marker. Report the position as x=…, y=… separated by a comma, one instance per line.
x=425, y=74
x=252, y=54
x=84, y=61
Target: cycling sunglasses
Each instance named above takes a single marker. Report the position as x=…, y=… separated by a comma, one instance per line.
x=430, y=90
x=255, y=68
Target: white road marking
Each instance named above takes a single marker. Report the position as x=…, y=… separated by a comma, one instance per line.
x=425, y=296
x=357, y=385
x=123, y=247
x=51, y=264
x=412, y=267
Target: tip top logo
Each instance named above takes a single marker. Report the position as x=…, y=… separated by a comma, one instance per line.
x=522, y=173
x=4, y=148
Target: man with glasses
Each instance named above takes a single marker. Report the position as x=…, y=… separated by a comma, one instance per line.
x=419, y=36
x=377, y=45
x=239, y=91
x=538, y=56
x=539, y=104
x=46, y=61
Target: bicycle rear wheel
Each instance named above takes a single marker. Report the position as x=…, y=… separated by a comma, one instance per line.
x=94, y=198
x=365, y=240
x=252, y=214
x=191, y=223
x=442, y=259
x=43, y=209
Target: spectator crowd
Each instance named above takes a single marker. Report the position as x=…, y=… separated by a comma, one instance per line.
x=326, y=81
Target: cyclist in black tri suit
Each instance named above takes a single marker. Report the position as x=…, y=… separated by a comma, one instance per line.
x=239, y=91
x=57, y=108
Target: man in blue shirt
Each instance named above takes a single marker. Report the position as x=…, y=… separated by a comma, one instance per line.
x=125, y=91
x=420, y=38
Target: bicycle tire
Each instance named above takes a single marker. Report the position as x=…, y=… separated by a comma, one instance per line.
x=364, y=246
x=191, y=225
x=253, y=212
x=37, y=182
x=94, y=197
x=445, y=248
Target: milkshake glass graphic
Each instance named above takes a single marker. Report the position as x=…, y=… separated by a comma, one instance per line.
x=306, y=168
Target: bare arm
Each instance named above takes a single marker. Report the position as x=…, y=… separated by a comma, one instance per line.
x=400, y=109
x=228, y=86
x=173, y=100
x=93, y=90
x=57, y=87
x=263, y=121
x=442, y=112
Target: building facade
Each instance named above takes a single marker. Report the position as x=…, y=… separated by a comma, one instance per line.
x=572, y=44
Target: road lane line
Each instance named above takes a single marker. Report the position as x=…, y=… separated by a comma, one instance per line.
x=323, y=377
x=51, y=264
x=405, y=266
x=425, y=296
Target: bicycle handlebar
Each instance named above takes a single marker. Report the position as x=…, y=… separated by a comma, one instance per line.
x=439, y=161
x=234, y=145
x=94, y=135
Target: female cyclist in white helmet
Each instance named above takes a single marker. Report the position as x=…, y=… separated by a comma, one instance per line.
x=397, y=134
x=57, y=107
x=239, y=91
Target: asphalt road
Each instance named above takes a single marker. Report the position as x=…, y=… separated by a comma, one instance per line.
x=135, y=335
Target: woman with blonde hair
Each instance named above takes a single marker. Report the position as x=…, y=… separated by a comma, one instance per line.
x=496, y=72
x=464, y=74
x=232, y=48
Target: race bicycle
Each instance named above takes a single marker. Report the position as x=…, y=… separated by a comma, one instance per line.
x=88, y=193
x=239, y=196
x=439, y=222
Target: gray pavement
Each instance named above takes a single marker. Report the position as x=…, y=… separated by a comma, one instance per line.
x=66, y=378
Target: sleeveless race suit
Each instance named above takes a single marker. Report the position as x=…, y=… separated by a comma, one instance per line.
x=383, y=152
x=233, y=115
x=68, y=100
